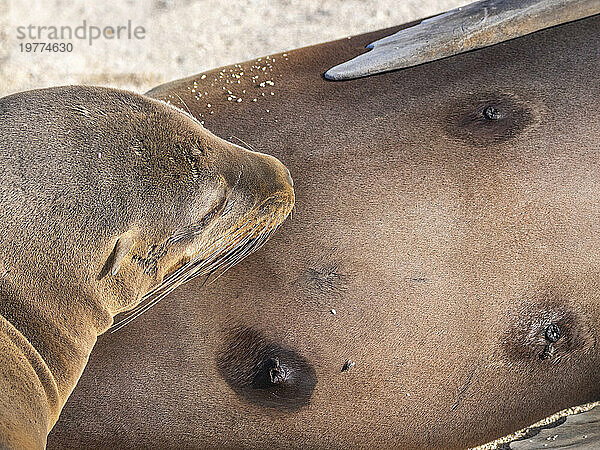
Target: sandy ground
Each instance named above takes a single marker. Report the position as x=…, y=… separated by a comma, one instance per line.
x=182, y=37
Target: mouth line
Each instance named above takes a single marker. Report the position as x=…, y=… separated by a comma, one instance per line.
x=211, y=215
x=227, y=207
x=191, y=231
x=216, y=211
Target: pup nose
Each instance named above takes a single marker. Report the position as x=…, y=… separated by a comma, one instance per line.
x=289, y=177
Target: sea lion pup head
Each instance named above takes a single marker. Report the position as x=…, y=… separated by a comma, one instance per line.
x=130, y=195
x=224, y=203
x=237, y=199
x=107, y=198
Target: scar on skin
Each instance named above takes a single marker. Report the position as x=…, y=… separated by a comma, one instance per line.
x=462, y=390
x=264, y=372
x=546, y=329
x=487, y=118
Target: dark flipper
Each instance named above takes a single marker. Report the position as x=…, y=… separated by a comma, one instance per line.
x=474, y=26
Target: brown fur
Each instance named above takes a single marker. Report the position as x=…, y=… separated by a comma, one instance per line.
x=443, y=242
x=104, y=194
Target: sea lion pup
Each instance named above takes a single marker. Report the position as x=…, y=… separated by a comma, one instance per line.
x=107, y=198
x=437, y=288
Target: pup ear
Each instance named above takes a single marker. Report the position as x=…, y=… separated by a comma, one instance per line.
x=122, y=247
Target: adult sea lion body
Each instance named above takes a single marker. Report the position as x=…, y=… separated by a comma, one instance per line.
x=107, y=198
x=436, y=288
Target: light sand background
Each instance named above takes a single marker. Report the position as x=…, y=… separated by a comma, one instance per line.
x=183, y=37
